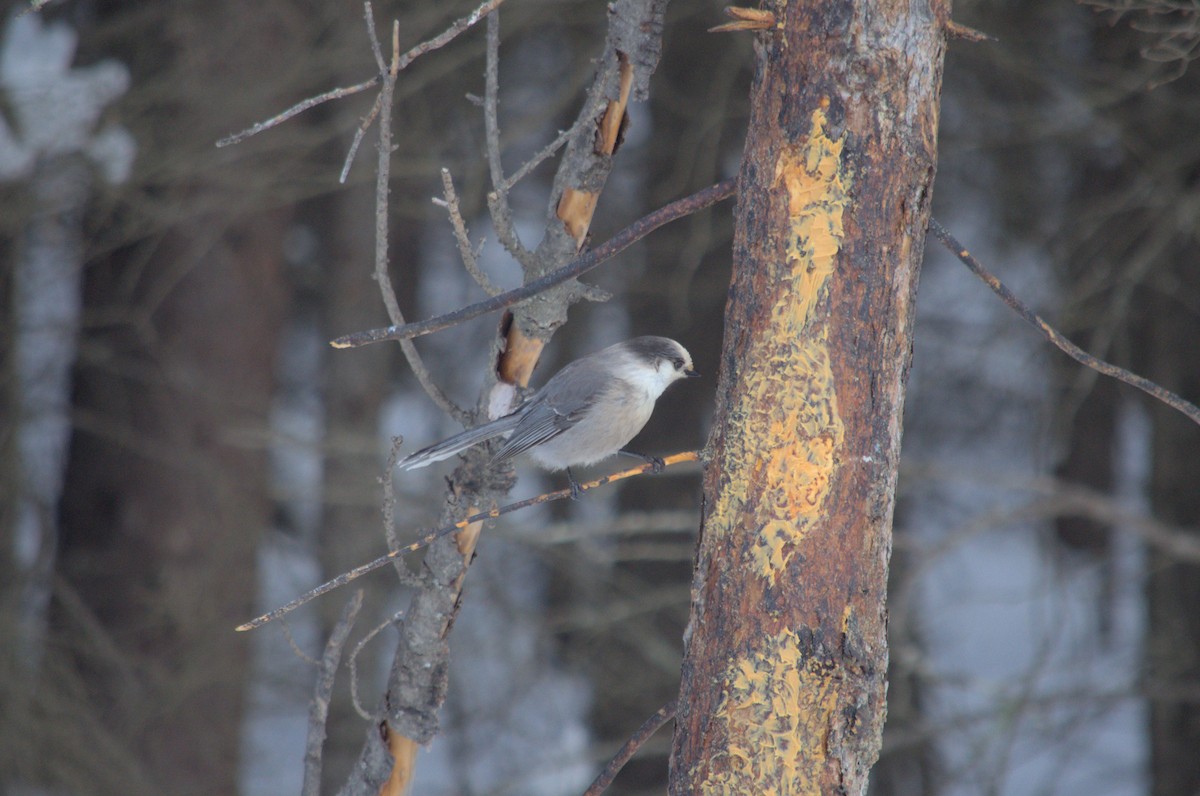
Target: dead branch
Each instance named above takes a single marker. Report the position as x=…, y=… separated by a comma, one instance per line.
x=498, y=206
x=1050, y=333
x=382, y=277
x=352, y=663
x=399, y=64
x=405, y=577
x=629, y=749
x=359, y=134
x=469, y=256
x=319, y=712
x=539, y=158
x=437, y=533
x=296, y=110
x=577, y=267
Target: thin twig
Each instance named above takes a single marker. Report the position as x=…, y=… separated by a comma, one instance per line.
x=319, y=712
x=437, y=42
x=405, y=577
x=297, y=109
x=491, y=101
x=353, y=663
x=497, y=199
x=630, y=747
x=373, y=37
x=403, y=574
x=577, y=267
x=369, y=119
x=437, y=533
x=359, y=134
x=382, y=177
x=1050, y=333
x=538, y=159
x=450, y=33
x=291, y=640
x=469, y=258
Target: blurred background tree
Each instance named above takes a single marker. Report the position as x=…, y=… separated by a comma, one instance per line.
x=215, y=457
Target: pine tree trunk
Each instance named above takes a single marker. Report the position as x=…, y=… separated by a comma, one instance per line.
x=785, y=668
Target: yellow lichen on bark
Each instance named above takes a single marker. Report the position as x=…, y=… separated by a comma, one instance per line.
x=792, y=396
x=775, y=700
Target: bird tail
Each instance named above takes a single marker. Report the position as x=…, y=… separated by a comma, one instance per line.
x=459, y=442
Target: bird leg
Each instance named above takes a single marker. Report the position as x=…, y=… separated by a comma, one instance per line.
x=658, y=463
x=576, y=489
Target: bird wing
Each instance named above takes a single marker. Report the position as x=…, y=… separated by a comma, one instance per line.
x=558, y=406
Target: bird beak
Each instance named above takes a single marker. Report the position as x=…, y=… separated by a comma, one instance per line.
x=691, y=374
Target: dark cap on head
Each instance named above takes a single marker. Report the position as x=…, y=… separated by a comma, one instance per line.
x=653, y=348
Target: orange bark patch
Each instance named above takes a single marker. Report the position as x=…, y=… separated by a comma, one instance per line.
x=793, y=395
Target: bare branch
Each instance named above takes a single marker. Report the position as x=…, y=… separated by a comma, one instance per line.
x=382, y=277
x=498, y=199
x=491, y=101
x=319, y=713
x=353, y=663
x=297, y=109
x=369, y=119
x=538, y=159
x=469, y=258
x=373, y=37
x=405, y=577
x=1050, y=333
x=629, y=749
x=450, y=33
x=299, y=653
x=577, y=267
x=363, y=126
x=398, y=63
x=437, y=533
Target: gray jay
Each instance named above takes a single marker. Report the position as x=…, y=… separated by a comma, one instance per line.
x=586, y=412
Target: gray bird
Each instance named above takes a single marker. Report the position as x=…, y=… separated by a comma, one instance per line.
x=586, y=412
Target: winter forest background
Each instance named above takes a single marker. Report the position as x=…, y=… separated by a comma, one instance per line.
x=180, y=449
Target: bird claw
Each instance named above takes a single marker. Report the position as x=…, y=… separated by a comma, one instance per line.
x=576, y=489
x=657, y=465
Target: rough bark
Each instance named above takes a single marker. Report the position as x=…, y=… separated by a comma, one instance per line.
x=785, y=668
x=418, y=680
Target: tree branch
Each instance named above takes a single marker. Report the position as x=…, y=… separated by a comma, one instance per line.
x=469, y=258
x=1050, y=333
x=382, y=176
x=577, y=267
x=399, y=64
x=497, y=200
x=630, y=748
x=319, y=712
x=446, y=530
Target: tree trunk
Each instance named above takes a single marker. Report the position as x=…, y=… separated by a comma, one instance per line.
x=785, y=669
x=1172, y=652
x=162, y=515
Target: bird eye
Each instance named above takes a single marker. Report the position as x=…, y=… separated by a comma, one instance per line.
x=678, y=363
